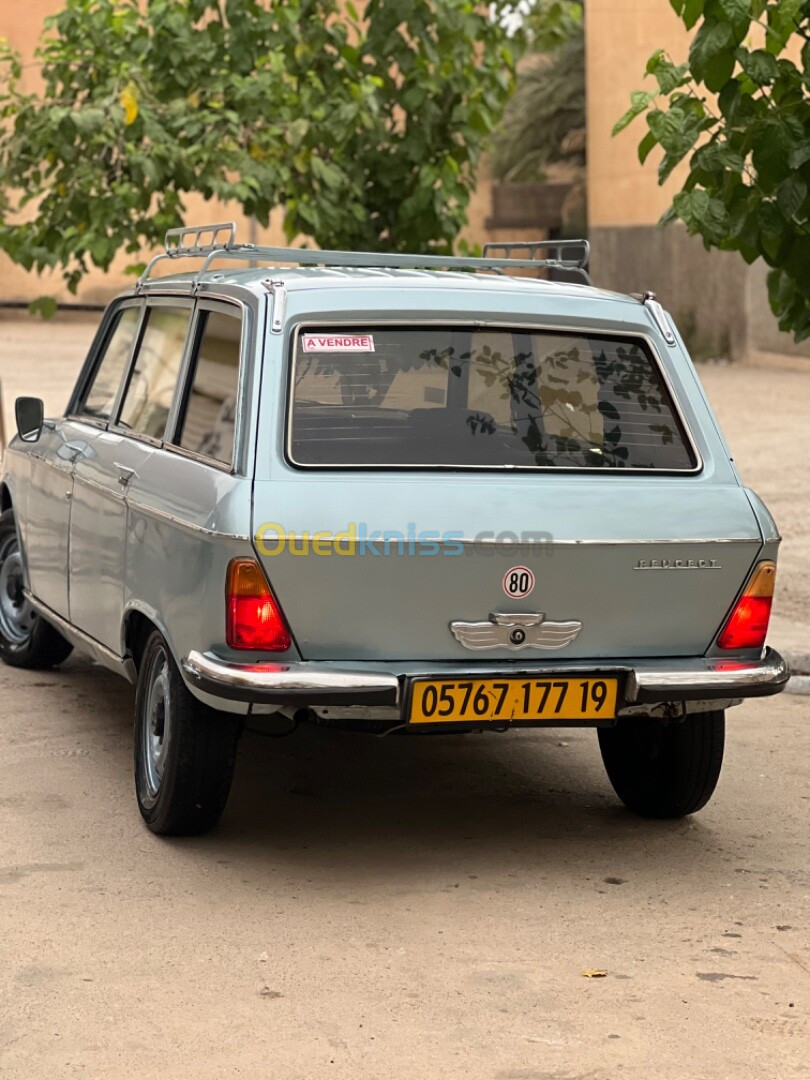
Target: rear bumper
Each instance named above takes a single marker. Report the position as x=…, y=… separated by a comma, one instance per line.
x=310, y=683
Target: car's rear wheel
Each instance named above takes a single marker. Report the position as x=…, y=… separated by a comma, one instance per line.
x=185, y=752
x=664, y=769
x=26, y=639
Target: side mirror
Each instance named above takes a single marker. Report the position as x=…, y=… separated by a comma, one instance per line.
x=30, y=415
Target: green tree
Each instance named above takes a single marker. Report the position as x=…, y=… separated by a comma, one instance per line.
x=366, y=128
x=739, y=108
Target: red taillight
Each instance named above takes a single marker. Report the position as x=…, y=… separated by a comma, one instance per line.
x=254, y=619
x=747, y=625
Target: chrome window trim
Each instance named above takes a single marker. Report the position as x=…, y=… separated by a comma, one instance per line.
x=91, y=421
x=96, y=355
x=114, y=424
x=173, y=519
x=210, y=303
x=213, y=302
x=295, y=538
x=136, y=436
x=300, y=325
x=192, y=455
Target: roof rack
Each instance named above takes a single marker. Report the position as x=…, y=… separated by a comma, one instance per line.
x=203, y=241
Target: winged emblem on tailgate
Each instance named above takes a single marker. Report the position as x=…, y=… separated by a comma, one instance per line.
x=502, y=631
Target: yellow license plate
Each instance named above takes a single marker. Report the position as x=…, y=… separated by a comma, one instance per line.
x=481, y=701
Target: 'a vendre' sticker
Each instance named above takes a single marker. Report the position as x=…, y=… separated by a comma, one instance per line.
x=321, y=343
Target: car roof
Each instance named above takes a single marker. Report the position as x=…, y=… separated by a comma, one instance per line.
x=256, y=281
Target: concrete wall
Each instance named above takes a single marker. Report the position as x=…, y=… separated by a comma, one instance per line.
x=704, y=291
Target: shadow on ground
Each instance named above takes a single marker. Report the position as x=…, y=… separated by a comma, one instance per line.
x=358, y=806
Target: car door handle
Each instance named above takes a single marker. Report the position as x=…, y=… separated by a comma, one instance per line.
x=71, y=451
x=125, y=473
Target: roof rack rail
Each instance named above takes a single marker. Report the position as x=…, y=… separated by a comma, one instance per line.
x=202, y=241
x=556, y=249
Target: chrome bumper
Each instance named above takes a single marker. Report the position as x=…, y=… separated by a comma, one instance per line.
x=312, y=683
x=715, y=677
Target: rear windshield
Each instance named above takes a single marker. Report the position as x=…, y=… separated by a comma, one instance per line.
x=424, y=396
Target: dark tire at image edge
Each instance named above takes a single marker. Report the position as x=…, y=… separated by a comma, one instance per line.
x=185, y=752
x=26, y=639
x=663, y=769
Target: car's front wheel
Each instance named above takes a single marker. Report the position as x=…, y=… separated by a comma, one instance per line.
x=664, y=769
x=185, y=752
x=26, y=639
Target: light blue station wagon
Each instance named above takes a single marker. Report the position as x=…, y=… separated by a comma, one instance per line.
x=391, y=493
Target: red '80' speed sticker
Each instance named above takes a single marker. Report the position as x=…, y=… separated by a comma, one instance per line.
x=518, y=582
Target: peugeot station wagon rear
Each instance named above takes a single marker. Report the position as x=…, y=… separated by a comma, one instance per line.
x=411, y=494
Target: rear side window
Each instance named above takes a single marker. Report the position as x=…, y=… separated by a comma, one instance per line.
x=100, y=398
x=208, y=421
x=427, y=396
x=153, y=380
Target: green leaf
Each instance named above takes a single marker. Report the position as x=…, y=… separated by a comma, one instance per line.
x=771, y=154
x=88, y=119
x=712, y=38
x=645, y=146
x=736, y=10
x=790, y=195
x=718, y=70
x=45, y=306
x=668, y=75
x=728, y=99
x=639, y=100
x=690, y=11
x=715, y=157
x=799, y=154
x=758, y=65
x=702, y=214
x=784, y=18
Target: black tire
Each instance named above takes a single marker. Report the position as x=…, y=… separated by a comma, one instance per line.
x=662, y=769
x=26, y=639
x=185, y=752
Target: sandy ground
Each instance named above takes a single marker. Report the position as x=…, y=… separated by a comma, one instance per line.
x=404, y=908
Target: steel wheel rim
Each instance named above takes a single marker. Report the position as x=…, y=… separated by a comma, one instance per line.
x=17, y=617
x=156, y=724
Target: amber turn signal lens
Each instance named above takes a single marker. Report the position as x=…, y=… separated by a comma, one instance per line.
x=747, y=626
x=254, y=619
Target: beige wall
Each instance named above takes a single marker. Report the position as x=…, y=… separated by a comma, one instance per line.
x=621, y=35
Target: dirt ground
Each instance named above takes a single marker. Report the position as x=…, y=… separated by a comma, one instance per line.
x=378, y=908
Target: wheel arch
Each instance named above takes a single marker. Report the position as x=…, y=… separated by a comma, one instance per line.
x=138, y=623
x=5, y=498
